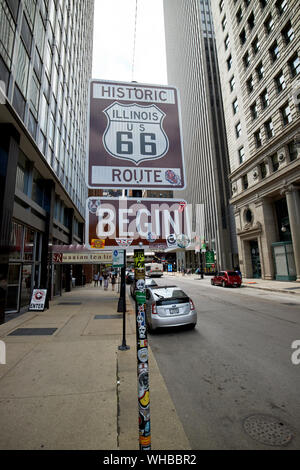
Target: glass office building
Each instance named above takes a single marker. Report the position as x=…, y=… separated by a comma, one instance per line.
x=45, y=65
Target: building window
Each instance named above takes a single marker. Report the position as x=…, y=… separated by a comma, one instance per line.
x=250, y=84
x=263, y=170
x=274, y=51
x=263, y=3
x=229, y=62
x=232, y=83
x=243, y=36
x=238, y=130
x=275, y=162
x=251, y=21
x=239, y=15
x=269, y=128
x=294, y=65
x=281, y=6
x=260, y=71
x=247, y=3
x=226, y=42
x=224, y=23
x=264, y=99
x=292, y=149
x=221, y=5
x=253, y=110
x=246, y=59
x=286, y=114
x=257, y=138
x=280, y=82
x=235, y=106
x=245, y=182
x=255, y=45
x=22, y=69
x=7, y=33
x=269, y=24
x=288, y=33
x=241, y=155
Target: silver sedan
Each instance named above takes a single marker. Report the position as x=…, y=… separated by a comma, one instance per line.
x=169, y=306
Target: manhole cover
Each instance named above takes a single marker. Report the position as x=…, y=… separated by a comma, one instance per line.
x=268, y=430
x=33, y=332
x=107, y=317
x=69, y=303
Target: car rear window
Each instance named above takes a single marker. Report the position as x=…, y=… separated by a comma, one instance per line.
x=232, y=273
x=169, y=295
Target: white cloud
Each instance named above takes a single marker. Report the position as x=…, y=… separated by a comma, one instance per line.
x=114, y=39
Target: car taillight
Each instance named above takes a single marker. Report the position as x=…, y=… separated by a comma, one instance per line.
x=192, y=305
x=154, y=310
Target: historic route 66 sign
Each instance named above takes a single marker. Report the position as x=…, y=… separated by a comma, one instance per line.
x=134, y=137
x=135, y=132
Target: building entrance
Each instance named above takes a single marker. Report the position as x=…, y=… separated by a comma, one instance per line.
x=255, y=259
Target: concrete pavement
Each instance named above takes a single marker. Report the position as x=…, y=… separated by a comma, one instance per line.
x=67, y=386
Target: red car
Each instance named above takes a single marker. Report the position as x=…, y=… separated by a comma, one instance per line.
x=226, y=279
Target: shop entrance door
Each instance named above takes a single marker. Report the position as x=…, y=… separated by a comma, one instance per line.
x=255, y=258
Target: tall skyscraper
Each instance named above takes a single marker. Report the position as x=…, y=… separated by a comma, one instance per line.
x=45, y=65
x=258, y=45
x=192, y=67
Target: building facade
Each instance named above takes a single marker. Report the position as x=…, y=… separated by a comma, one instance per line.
x=192, y=67
x=258, y=43
x=45, y=65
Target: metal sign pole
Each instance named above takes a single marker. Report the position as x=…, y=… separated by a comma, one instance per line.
x=142, y=351
x=123, y=346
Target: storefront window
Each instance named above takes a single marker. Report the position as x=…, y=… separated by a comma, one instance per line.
x=26, y=285
x=29, y=245
x=16, y=242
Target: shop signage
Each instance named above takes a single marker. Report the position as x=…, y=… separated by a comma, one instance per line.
x=82, y=258
x=134, y=136
x=38, y=299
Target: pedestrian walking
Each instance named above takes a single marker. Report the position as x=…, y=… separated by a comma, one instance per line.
x=105, y=278
x=96, y=279
x=113, y=282
x=100, y=279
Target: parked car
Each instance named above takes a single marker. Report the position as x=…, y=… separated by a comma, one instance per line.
x=226, y=279
x=169, y=306
x=129, y=277
x=148, y=283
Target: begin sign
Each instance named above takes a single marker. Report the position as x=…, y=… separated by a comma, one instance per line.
x=127, y=222
x=134, y=136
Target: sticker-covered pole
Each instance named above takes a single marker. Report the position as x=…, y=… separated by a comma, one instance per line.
x=142, y=351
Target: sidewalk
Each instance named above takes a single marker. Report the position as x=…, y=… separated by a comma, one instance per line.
x=287, y=287
x=67, y=386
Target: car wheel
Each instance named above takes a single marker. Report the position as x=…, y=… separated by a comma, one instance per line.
x=223, y=284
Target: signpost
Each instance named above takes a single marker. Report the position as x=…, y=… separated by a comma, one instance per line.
x=142, y=352
x=134, y=136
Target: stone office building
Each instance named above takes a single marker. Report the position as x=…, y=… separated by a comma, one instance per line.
x=258, y=44
x=45, y=65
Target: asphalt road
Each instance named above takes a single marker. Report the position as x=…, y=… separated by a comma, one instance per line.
x=236, y=364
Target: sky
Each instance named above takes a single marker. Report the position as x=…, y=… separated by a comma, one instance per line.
x=114, y=26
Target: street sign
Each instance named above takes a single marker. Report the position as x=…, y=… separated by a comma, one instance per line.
x=134, y=136
x=139, y=221
x=38, y=299
x=118, y=258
